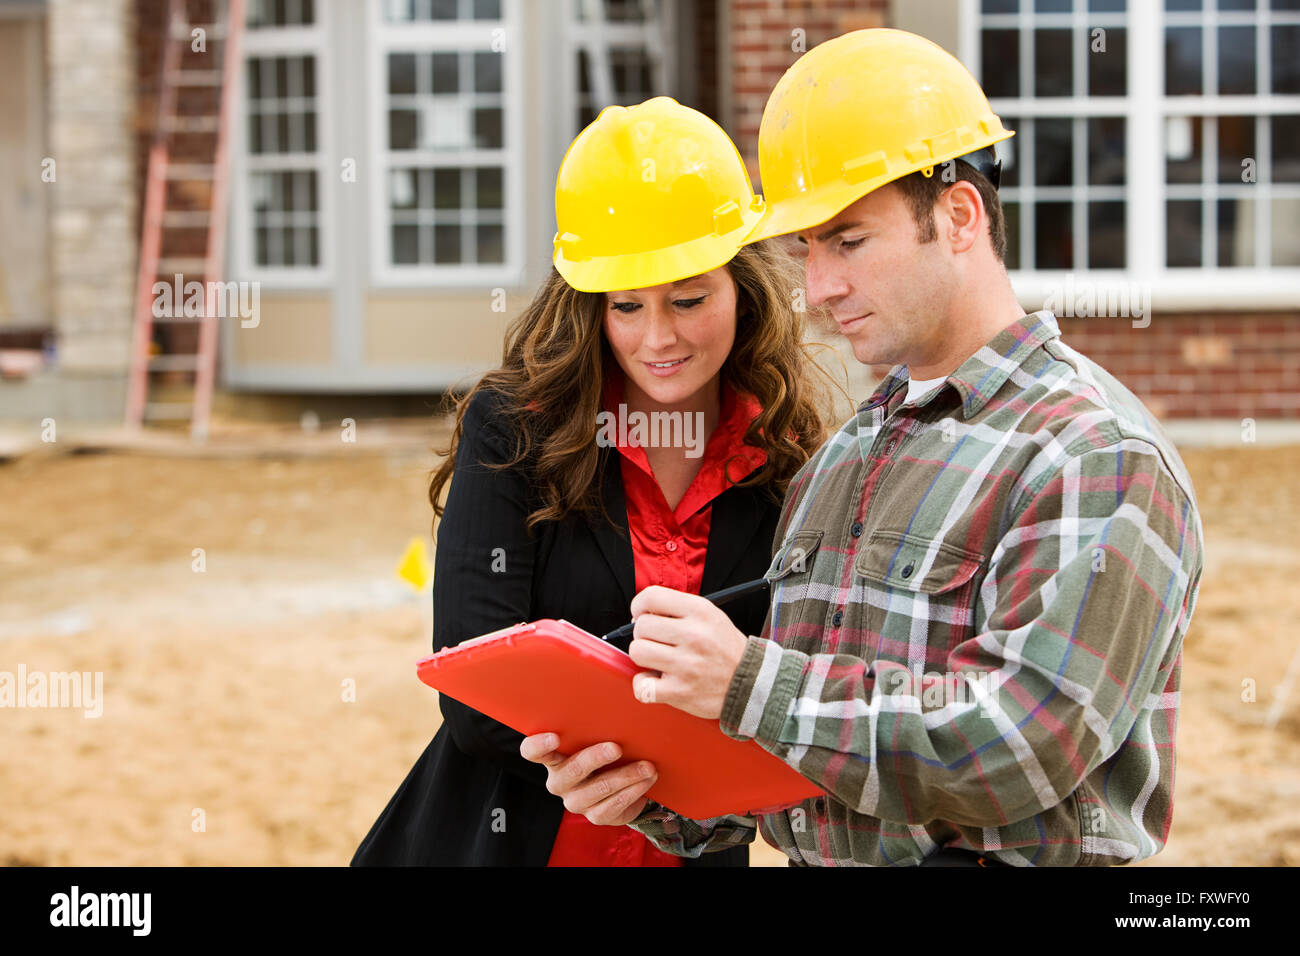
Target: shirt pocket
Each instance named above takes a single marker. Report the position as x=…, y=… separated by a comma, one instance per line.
x=908, y=577
x=795, y=556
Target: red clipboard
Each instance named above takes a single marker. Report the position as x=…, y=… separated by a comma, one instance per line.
x=552, y=676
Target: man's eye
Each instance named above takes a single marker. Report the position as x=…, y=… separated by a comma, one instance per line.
x=852, y=243
x=688, y=303
x=625, y=306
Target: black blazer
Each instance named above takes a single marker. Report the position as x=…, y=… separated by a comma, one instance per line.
x=471, y=799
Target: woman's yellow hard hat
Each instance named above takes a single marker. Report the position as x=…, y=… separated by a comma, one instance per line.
x=649, y=194
x=859, y=111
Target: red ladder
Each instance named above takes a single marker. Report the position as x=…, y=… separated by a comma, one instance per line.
x=176, y=343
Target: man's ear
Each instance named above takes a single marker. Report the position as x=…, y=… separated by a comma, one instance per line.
x=964, y=220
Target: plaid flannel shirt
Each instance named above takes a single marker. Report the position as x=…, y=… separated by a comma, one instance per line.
x=978, y=610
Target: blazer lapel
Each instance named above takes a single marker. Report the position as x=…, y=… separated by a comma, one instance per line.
x=737, y=517
x=615, y=543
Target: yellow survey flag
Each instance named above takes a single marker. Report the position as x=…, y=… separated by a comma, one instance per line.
x=414, y=568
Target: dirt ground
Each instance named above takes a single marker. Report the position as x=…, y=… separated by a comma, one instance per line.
x=226, y=736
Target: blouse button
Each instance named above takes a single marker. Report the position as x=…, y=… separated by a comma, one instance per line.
x=670, y=546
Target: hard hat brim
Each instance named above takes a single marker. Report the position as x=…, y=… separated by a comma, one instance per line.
x=644, y=269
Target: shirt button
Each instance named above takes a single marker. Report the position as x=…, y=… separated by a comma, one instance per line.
x=907, y=571
x=838, y=619
x=857, y=529
x=670, y=546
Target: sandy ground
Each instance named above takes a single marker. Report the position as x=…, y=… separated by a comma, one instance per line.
x=226, y=735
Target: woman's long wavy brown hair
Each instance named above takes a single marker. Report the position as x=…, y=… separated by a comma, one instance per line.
x=554, y=359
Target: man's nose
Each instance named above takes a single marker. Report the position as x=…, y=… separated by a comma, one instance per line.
x=825, y=283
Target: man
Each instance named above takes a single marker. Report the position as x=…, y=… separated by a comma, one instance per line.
x=981, y=583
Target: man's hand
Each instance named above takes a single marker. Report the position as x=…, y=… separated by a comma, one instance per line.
x=693, y=646
x=609, y=797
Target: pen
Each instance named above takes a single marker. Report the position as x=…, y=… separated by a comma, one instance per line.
x=718, y=597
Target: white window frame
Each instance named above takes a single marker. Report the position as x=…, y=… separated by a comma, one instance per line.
x=285, y=41
x=1145, y=107
x=457, y=35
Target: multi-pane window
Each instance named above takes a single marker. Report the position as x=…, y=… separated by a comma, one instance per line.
x=1056, y=72
x=1231, y=139
x=446, y=147
x=282, y=137
x=1197, y=127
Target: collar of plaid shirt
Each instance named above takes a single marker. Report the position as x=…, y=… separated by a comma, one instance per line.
x=979, y=605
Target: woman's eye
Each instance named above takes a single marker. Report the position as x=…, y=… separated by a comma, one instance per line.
x=624, y=306
x=688, y=303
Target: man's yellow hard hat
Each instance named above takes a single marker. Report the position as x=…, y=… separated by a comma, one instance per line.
x=649, y=194
x=860, y=111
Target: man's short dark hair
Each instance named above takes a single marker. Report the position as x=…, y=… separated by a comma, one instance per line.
x=922, y=193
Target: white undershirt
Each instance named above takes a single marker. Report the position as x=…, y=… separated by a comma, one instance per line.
x=916, y=387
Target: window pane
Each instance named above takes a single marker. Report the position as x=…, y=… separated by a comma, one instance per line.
x=1054, y=239
x=1000, y=56
x=406, y=245
x=1286, y=232
x=1183, y=149
x=490, y=188
x=1000, y=6
x=1237, y=60
x=1106, y=151
x=1286, y=59
x=1106, y=235
x=446, y=188
x=401, y=189
x=1108, y=6
x=1183, y=232
x=1054, y=152
x=1235, y=4
x=1107, y=62
x=487, y=9
x=401, y=129
x=446, y=73
x=491, y=246
x=1236, y=232
x=1286, y=149
x=487, y=72
x=445, y=9
x=446, y=244
x=487, y=128
x=401, y=73
x=1052, y=6
x=1182, y=61
x=1173, y=5
x=1236, y=143
x=1053, y=63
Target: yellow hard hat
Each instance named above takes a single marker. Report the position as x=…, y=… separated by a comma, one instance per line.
x=860, y=111
x=649, y=194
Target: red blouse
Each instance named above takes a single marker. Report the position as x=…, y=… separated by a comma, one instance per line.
x=668, y=549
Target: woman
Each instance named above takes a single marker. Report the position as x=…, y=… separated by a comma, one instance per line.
x=564, y=505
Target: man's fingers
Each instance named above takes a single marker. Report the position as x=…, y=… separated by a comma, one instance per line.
x=651, y=654
x=664, y=601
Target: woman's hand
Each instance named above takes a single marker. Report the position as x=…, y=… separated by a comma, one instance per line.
x=606, y=797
